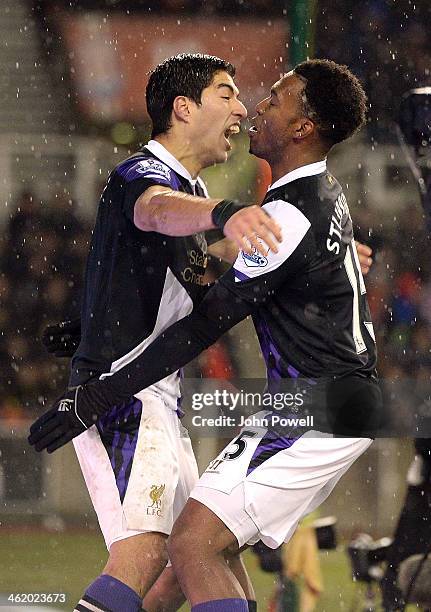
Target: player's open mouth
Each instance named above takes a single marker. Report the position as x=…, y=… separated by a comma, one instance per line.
x=233, y=129
x=252, y=130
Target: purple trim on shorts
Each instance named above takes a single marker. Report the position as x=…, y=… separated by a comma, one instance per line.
x=293, y=372
x=270, y=445
x=119, y=430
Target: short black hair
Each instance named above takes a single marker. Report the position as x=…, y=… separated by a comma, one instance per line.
x=186, y=74
x=333, y=98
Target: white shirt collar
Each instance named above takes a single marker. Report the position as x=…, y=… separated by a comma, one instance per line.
x=308, y=170
x=163, y=154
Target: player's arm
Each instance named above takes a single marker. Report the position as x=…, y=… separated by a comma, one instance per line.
x=80, y=408
x=62, y=339
x=226, y=250
x=173, y=213
x=238, y=293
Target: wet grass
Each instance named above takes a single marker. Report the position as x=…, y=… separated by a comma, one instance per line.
x=33, y=560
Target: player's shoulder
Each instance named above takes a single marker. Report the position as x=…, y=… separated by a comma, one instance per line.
x=307, y=196
x=145, y=165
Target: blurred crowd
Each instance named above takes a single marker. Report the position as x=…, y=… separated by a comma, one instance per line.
x=42, y=254
x=399, y=290
x=389, y=48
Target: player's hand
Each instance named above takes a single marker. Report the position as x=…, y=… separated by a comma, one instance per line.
x=364, y=255
x=69, y=416
x=253, y=227
x=62, y=339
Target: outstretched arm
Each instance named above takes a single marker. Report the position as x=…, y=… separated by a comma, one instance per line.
x=80, y=408
x=239, y=292
x=63, y=339
x=174, y=213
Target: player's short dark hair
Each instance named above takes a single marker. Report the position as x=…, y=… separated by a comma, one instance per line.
x=186, y=74
x=333, y=98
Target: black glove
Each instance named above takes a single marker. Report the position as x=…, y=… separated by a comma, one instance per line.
x=224, y=210
x=74, y=412
x=62, y=339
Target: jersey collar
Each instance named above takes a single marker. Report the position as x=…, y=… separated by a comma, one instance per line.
x=163, y=154
x=308, y=170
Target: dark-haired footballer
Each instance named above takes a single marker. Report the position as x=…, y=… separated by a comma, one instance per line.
x=144, y=272
x=309, y=307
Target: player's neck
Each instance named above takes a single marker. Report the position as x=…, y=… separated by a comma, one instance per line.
x=289, y=162
x=182, y=150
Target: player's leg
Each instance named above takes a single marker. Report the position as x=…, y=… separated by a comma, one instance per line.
x=197, y=548
x=236, y=565
x=165, y=595
x=133, y=566
x=130, y=466
x=295, y=480
x=230, y=560
x=138, y=561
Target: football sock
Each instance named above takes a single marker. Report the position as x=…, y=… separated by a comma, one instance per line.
x=107, y=594
x=222, y=605
x=252, y=605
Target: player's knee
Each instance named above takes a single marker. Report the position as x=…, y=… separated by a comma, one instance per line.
x=185, y=543
x=177, y=545
x=233, y=550
x=197, y=534
x=133, y=559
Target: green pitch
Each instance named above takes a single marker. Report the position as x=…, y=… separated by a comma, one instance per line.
x=39, y=561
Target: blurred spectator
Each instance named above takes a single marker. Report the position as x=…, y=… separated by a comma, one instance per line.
x=43, y=257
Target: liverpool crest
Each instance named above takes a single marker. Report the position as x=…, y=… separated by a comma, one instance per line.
x=156, y=493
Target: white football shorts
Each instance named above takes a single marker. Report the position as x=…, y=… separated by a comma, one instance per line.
x=262, y=485
x=139, y=467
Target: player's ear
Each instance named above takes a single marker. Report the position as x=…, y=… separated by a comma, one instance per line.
x=181, y=108
x=304, y=128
